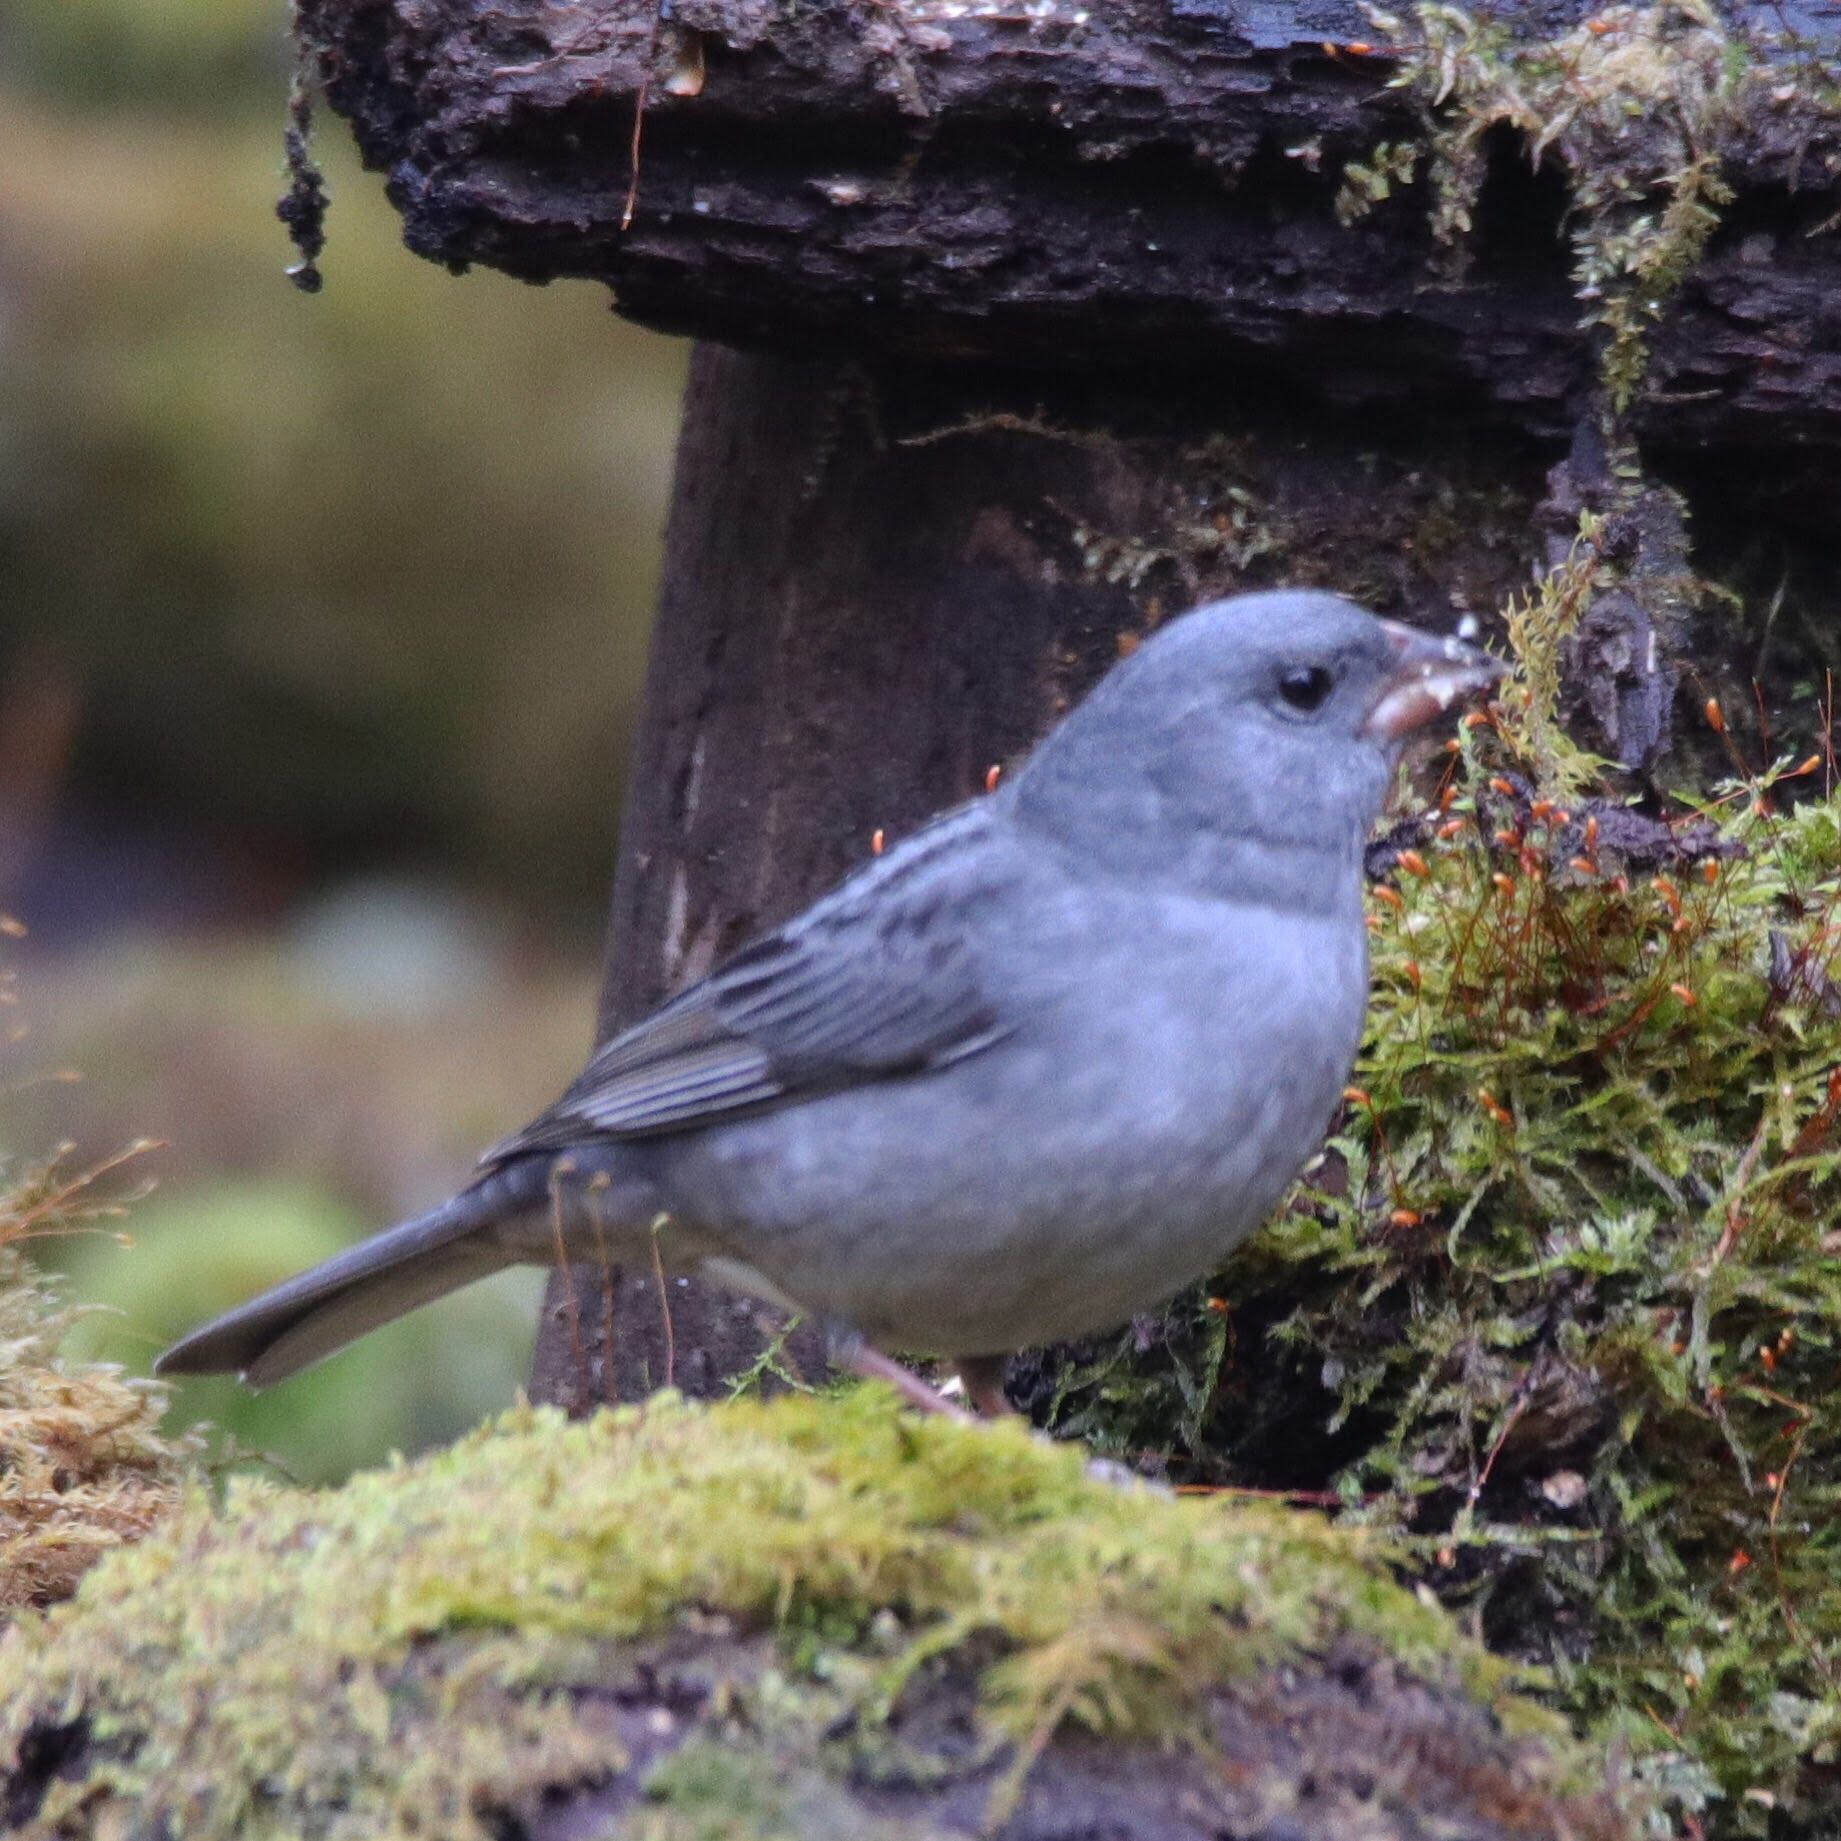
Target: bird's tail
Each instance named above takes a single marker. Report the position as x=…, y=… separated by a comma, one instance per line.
x=310, y=1315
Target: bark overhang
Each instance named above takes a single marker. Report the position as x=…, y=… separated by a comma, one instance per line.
x=1140, y=186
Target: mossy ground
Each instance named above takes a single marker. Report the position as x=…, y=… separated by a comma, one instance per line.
x=433, y=1647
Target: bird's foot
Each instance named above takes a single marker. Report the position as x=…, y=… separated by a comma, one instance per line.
x=982, y=1377
x=873, y=1365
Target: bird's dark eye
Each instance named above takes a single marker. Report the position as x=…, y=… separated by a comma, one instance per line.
x=1305, y=686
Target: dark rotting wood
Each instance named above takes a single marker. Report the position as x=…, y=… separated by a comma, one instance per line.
x=1142, y=185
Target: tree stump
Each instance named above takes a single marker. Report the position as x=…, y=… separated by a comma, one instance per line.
x=1034, y=323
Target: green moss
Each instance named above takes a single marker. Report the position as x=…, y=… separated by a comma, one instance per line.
x=1538, y=627
x=1210, y=523
x=1367, y=183
x=1580, y=1279
x=716, y=1790
x=1638, y=105
x=269, y=1667
x=1561, y=1307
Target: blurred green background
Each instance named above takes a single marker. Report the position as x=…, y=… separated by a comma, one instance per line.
x=322, y=623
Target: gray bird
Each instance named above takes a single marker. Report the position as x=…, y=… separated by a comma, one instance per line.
x=1036, y=1068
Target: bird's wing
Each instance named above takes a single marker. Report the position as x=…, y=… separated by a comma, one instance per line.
x=880, y=978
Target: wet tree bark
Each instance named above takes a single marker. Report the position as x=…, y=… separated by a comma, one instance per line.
x=1144, y=186
x=845, y=644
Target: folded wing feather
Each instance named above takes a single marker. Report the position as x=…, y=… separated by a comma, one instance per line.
x=879, y=979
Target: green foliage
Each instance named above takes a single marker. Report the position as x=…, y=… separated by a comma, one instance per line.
x=397, y=1655
x=258, y=636
x=189, y=54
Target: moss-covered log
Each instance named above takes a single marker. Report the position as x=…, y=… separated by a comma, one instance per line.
x=810, y=1621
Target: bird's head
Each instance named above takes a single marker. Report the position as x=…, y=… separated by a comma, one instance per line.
x=1246, y=748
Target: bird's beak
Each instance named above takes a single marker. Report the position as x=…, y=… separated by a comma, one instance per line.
x=1427, y=673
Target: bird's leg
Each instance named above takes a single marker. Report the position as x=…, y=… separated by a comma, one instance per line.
x=851, y=1351
x=983, y=1378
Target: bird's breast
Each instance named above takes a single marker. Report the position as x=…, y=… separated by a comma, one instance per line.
x=1139, y=1120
